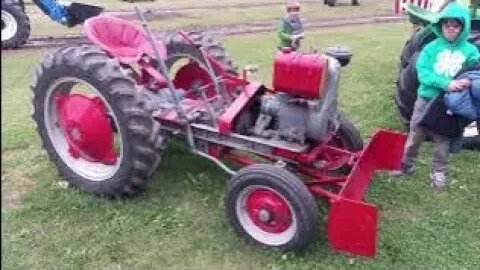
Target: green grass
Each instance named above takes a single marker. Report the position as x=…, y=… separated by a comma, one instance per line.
x=180, y=222
x=43, y=26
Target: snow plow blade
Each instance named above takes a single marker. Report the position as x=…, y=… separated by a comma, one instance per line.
x=353, y=223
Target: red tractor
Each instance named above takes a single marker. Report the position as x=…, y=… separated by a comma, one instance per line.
x=105, y=112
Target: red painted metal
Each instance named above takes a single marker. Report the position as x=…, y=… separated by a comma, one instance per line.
x=268, y=211
x=125, y=40
x=383, y=152
x=352, y=224
x=300, y=74
x=192, y=75
x=149, y=73
x=226, y=120
x=87, y=128
x=334, y=157
x=352, y=227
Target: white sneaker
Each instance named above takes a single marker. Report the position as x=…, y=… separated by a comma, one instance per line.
x=438, y=180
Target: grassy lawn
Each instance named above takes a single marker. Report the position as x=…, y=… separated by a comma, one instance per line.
x=180, y=222
x=43, y=26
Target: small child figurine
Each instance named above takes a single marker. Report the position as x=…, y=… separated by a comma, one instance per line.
x=291, y=28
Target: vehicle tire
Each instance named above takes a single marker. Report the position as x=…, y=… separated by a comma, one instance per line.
x=177, y=45
x=15, y=24
x=355, y=3
x=271, y=207
x=330, y=3
x=140, y=141
x=407, y=87
x=407, y=82
x=415, y=44
x=348, y=137
x=190, y=75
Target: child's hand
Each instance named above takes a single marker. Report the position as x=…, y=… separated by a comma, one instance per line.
x=466, y=83
x=458, y=85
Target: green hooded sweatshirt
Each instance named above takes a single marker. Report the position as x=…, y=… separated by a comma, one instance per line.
x=441, y=60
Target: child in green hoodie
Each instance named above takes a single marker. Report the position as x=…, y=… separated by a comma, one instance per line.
x=291, y=27
x=437, y=65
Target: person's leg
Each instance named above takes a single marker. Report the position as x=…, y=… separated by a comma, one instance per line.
x=440, y=162
x=416, y=136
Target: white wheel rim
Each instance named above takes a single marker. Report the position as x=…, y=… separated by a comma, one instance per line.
x=93, y=171
x=9, y=25
x=260, y=235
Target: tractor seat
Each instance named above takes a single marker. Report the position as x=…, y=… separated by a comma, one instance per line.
x=123, y=39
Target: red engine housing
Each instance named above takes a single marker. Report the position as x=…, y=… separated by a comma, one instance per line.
x=300, y=74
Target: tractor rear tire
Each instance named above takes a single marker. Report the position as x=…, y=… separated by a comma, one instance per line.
x=141, y=138
x=407, y=85
x=15, y=24
x=179, y=49
x=177, y=45
x=264, y=185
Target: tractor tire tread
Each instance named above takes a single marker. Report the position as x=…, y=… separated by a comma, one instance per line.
x=141, y=156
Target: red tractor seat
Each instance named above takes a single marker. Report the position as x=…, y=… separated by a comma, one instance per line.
x=123, y=39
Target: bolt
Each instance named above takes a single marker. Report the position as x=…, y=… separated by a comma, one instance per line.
x=75, y=133
x=264, y=215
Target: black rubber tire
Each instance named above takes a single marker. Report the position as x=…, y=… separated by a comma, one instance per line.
x=407, y=82
x=140, y=134
x=330, y=3
x=407, y=87
x=349, y=135
x=355, y=3
x=471, y=143
x=290, y=187
x=176, y=45
x=348, y=138
x=17, y=10
x=178, y=48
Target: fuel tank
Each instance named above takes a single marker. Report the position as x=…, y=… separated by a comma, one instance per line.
x=300, y=74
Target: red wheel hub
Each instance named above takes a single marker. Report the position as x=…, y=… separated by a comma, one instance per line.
x=87, y=128
x=193, y=75
x=269, y=211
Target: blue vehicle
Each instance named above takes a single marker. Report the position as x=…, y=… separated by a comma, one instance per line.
x=16, y=25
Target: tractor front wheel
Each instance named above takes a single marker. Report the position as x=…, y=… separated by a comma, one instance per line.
x=92, y=121
x=271, y=207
